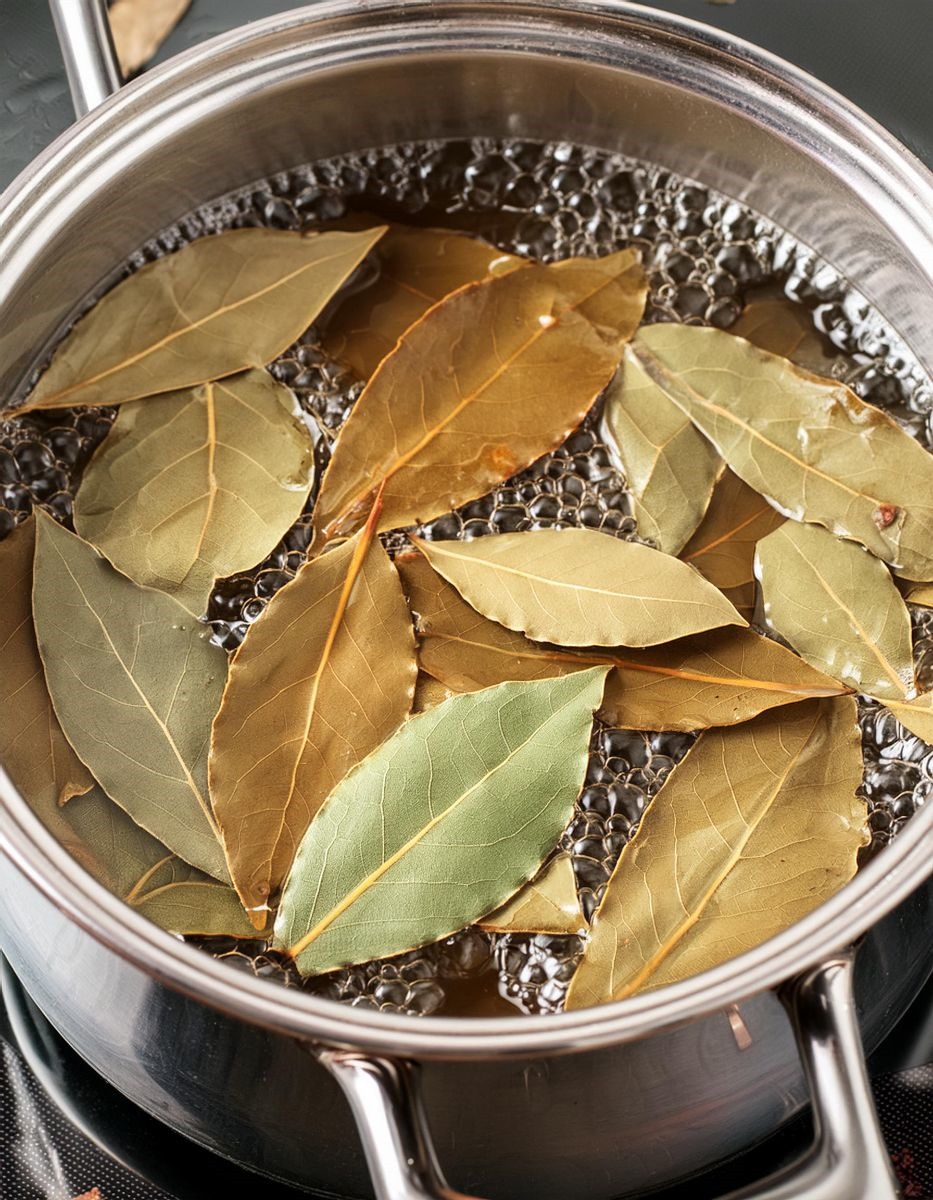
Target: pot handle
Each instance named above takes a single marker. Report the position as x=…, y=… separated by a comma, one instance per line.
x=91, y=64
x=848, y=1160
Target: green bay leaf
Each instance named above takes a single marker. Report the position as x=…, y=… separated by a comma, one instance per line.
x=135, y=684
x=486, y=382
x=441, y=824
x=839, y=608
x=669, y=466
x=809, y=445
x=218, y=306
x=577, y=587
x=753, y=829
x=921, y=594
x=195, y=485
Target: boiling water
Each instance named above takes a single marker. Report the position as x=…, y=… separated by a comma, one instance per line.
x=705, y=255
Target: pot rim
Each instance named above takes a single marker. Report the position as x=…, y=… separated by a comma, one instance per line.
x=877, y=889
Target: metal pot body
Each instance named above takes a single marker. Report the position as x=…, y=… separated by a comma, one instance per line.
x=585, y=1121
x=591, y=1125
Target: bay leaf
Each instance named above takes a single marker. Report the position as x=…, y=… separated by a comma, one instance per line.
x=915, y=715
x=921, y=593
x=325, y=675
x=429, y=693
x=723, y=548
x=782, y=327
x=417, y=268
x=135, y=684
x=717, y=678
x=196, y=485
x=547, y=904
x=217, y=306
x=146, y=875
x=399, y=855
x=140, y=27
x=486, y=382
x=752, y=830
x=199, y=907
x=838, y=607
x=578, y=587
x=33, y=749
x=670, y=467
x=809, y=445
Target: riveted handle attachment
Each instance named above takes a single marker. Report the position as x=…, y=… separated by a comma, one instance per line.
x=847, y=1161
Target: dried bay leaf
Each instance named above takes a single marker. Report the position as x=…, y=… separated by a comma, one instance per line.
x=921, y=594
x=439, y=825
x=915, y=715
x=217, y=306
x=781, y=327
x=670, y=468
x=811, y=446
x=145, y=874
x=33, y=749
x=417, y=268
x=577, y=587
x=717, y=678
x=140, y=27
x=548, y=904
x=135, y=684
x=199, y=484
x=754, y=828
x=486, y=382
x=838, y=607
x=325, y=675
x=429, y=693
x=723, y=548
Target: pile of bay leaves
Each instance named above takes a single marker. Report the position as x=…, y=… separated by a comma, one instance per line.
x=393, y=752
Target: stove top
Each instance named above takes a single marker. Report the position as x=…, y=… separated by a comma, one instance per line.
x=64, y=1133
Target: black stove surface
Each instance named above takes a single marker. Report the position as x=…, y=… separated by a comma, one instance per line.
x=63, y=1131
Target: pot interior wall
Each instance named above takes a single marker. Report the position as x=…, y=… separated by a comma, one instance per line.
x=191, y=133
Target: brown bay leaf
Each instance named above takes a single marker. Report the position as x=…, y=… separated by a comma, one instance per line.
x=754, y=828
x=140, y=27
x=921, y=593
x=838, y=607
x=915, y=715
x=399, y=855
x=135, y=684
x=578, y=587
x=548, y=904
x=486, y=382
x=717, y=678
x=417, y=268
x=324, y=676
x=196, y=485
x=670, y=467
x=809, y=445
x=782, y=327
x=218, y=306
x=33, y=749
x=429, y=693
x=723, y=548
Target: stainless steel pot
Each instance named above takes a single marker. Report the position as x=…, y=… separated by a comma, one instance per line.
x=586, y=1105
